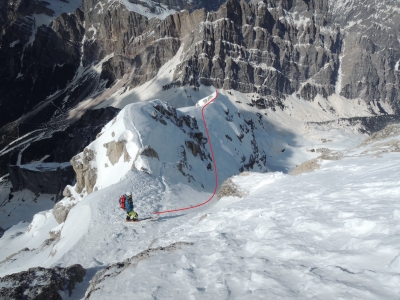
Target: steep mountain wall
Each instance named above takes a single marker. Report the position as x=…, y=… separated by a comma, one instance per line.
x=55, y=144
x=274, y=48
x=37, y=62
x=48, y=178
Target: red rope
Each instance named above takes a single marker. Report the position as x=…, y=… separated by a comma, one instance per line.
x=214, y=162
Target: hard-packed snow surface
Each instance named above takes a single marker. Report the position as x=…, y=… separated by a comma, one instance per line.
x=331, y=233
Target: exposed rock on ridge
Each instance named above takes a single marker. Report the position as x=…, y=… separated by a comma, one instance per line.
x=24, y=285
x=86, y=175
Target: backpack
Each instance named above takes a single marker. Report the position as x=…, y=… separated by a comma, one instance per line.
x=122, y=202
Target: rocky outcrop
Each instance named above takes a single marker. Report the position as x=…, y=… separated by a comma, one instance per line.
x=86, y=176
x=43, y=178
x=179, y=5
x=383, y=141
x=366, y=125
x=55, y=234
x=61, y=210
x=389, y=131
x=41, y=283
x=307, y=166
x=115, y=150
x=230, y=189
x=149, y=152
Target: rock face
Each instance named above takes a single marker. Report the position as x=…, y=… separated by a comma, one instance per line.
x=307, y=166
x=366, y=125
x=149, y=152
x=33, y=70
x=86, y=176
x=25, y=285
x=42, y=178
x=391, y=130
x=230, y=189
x=115, y=150
x=61, y=211
x=370, y=51
x=58, y=145
x=274, y=48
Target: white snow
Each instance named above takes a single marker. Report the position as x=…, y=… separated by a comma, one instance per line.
x=22, y=206
x=14, y=43
x=396, y=67
x=160, y=11
x=338, y=86
x=329, y=234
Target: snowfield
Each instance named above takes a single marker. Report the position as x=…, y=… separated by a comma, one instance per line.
x=328, y=234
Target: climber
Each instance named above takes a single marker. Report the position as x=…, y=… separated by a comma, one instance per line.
x=131, y=214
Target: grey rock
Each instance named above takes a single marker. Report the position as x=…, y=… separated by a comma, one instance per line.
x=61, y=211
x=230, y=189
x=193, y=147
x=67, y=191
x=366, y=125
x=391, y=130
x=54, y=234
x=44, y=178
x=41, y=283
x=115, y=150
x=86, y=176
x=52, y=59
x=370, y=51
x=331, y=155
x=307, y=166
x=149, y=152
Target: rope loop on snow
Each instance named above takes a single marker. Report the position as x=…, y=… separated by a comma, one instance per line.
x=214, y=162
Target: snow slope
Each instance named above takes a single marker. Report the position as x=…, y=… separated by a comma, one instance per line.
x=329, y=234
x=332, y=233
